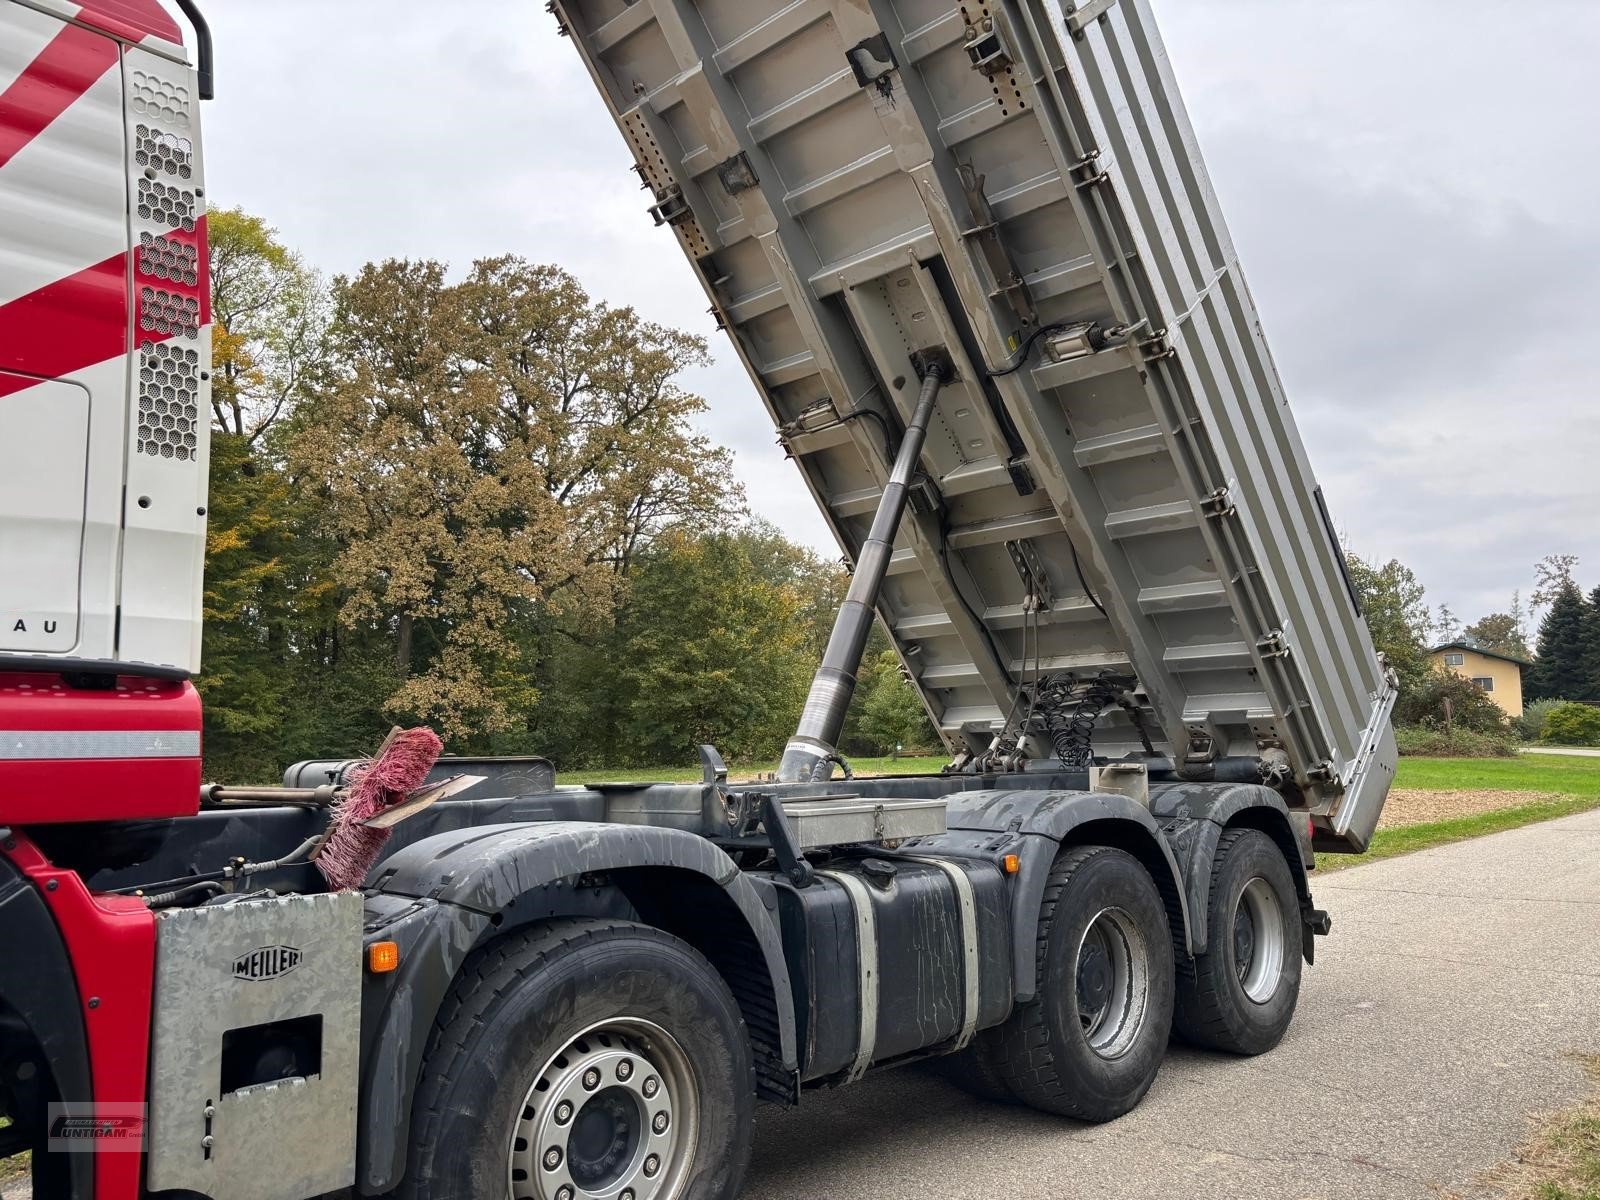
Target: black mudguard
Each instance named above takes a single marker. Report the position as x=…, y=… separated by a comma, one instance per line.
x=1193, y=816
x=444, y=895
x=38, y=989
x=1033, y=825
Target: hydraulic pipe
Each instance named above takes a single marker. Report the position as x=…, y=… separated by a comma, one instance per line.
x=810, y=754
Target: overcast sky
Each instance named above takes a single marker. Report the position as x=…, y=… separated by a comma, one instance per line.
x=1414, y=189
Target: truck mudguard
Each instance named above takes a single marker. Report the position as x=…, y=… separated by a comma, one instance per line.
x=1034, y=825
x=1193, y=816
x=37, y=989
x=442, y=896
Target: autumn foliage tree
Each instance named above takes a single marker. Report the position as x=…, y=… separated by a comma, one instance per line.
x=493, y=452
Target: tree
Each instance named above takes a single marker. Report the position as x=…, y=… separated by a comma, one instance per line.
x=892, y=712
x=492, y=455
x=1397, y=617
x=270, y=317
x=1500, y=633
x=1553, y=574
x=268, y=345
x=1446, y=625
x=1559, y=671
x=710, y=652
x=1591, y=647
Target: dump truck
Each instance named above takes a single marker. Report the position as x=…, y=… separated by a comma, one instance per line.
x=974, y=266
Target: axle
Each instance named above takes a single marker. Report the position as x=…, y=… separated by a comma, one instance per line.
x=810, y=753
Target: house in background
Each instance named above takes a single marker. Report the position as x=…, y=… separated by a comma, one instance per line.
x=1498, y=674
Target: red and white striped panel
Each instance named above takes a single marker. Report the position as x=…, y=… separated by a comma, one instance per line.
x=104, y=334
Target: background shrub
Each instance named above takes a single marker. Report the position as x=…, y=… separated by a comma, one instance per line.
x=1430, y=742
x=1572, y=725
x=1469, y=705
x=1530, y=725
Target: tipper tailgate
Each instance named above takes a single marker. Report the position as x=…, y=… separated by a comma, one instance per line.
x=1113, y=481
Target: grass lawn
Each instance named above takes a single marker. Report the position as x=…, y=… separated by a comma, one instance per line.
x=1569, y=785
x=1561, y=1161
x=743, y=772
x=1533, y=772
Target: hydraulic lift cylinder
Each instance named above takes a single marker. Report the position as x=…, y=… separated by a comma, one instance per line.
x=810, y=754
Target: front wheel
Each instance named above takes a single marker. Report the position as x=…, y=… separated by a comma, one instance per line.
x=1241, y=994
x=1090, y=1046
x=582, y=1060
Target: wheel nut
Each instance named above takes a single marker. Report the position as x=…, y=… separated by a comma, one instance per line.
x=660, y=1122
x=625, y=1069
x=591, y=1079
x=627, y=1194
x=563, y=1113
x=565, y=1193
x=652, y=1164
x=652, y=1086
x=552, y=1158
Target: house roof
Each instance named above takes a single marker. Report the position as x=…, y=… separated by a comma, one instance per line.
x=1458, y=645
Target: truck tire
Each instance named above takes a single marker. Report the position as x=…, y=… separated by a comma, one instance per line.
x=1090, y=1046
x=974, y=1071
x=1241, y=994
x=580, y=1058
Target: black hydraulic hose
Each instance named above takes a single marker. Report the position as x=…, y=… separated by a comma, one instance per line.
x=162, y=899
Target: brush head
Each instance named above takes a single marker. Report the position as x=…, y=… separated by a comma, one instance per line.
x=401, y=765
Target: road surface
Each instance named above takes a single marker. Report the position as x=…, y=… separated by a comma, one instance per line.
x=1444, y=1009
x=1569, y=751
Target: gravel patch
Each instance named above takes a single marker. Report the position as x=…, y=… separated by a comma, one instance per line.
x=1414, y=806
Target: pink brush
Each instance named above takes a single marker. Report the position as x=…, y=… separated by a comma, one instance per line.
x=400, y=765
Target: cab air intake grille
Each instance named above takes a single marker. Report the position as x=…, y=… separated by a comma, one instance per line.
x=169, y=313
x=171, y=206
x=169, y=384
x=159, y=98
x=163, y=152
x=164, y=258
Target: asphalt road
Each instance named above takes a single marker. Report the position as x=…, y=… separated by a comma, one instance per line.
x=1444, y=1010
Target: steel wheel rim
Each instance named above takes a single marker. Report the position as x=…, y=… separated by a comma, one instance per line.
x=1258, y=941
x=1112, y=974
x=613, y=1115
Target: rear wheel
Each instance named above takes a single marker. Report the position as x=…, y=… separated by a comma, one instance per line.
x=1091, y=1044
x=583, y=1060
x=1243, y=990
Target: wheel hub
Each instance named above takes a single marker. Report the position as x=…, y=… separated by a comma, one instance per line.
x=1259, y=942
x=612, y=1116
x=605, y=1134
x=1244, y=941
x=1094, y=977
x=1113, y=981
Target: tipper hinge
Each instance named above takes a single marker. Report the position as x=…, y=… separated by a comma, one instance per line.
x=987, y=48
x=1326, y=776
x=1273, y=645
x=1156, y=347
x=1079, y=16
x=670, y=206
x=1219, y=504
